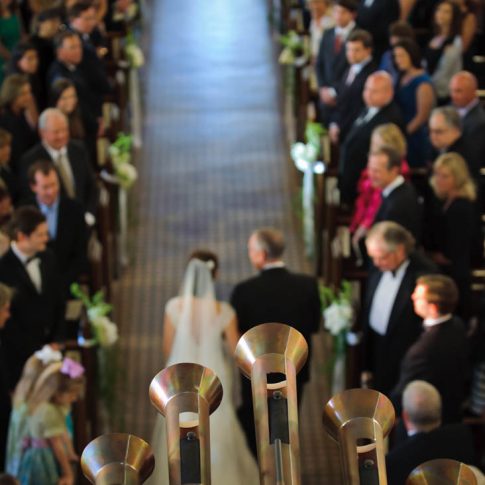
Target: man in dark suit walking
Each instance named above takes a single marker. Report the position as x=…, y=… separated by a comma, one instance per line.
x=439, y=356
x=388, y=321
x=37, y=308
x=427, y=438
x=70, y=159
x=380, y=108
x=399, y=200
x=331, y=61
x=274, y=295
x=65, y=219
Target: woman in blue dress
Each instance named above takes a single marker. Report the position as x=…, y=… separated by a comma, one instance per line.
x=415, y=97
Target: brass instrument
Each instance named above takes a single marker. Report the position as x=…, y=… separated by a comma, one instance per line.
x=117, y=459
x=274, y=348
x=442, y=472
x=359, y=419
x=186, y=394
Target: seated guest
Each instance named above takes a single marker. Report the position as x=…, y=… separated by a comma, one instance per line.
x=380, y=109
x=446, y=135
x=25, y=60
x=439, y=356
x=321, y=20
x=63, y=96
x=450, y=227
x=369, y=199
x=397, y=31
x=415, y=97
x=428, y=438
x=70, y=159
x=444, y=51
x=37, y=309
x=388, y=321
x=349, y=103
x=6, y=174
x=18, y=115
x=399, y=200
x=331, y=62
x=65, y=218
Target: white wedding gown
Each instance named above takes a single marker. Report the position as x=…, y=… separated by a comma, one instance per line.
x=231, y=459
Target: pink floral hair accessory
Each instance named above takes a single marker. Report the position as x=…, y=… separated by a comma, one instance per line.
x=72, y=368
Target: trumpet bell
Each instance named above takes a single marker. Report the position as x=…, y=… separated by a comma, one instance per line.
x=442, y=472
x=117, y=459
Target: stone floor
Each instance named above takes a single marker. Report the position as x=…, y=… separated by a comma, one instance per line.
x=214, y=165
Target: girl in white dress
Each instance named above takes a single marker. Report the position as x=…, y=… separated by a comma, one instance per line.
x=200, y=329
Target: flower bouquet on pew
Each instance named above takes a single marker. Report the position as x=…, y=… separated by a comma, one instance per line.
x=295, y=50
x=133, y=52
x=338, y=316
x=120, y=152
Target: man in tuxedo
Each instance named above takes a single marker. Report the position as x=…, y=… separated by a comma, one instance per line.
x=37, y=308
x=274, y=295
x=427, y=438
x=388, y=321
x=439, y=356
x=399, y=200
x=65, y=219
x=349, y=102
x=380, y=108
x=331, y=62
x=70, y=158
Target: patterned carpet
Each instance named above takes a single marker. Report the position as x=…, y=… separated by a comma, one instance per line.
x=213, y=167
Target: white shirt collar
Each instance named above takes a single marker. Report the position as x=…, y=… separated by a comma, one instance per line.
x=358, y=67
x=466, y=109
x=345, y=31
x=274, y=264
x=431, y=322
x=21, y=255
x=53, y=153
x=399, y=180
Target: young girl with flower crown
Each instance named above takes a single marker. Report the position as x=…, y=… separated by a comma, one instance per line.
x=17, y=428
x=48, y=450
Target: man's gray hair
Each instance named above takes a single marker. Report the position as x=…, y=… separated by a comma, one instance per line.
x=450, y=115
x=392, y=235
x=422, y=403
x=271, y=241
x=48, y=114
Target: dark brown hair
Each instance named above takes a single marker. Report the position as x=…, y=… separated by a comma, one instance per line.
x=441, y=290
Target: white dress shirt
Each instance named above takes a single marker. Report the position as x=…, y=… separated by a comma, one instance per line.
x=399, y=180
x=32, y=266
x=431, y=322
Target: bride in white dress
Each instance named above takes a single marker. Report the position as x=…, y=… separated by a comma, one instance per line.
x=198, y=328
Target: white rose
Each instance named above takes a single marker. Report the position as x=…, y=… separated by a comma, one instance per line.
x=337, y=317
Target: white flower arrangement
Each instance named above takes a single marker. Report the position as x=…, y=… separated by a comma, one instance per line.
x=120, y=153
x=105, y=331
x=338, y=317
x=135, y=55
x=294, y=51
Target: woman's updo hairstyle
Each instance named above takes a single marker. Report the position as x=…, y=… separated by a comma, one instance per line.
x=207, y=257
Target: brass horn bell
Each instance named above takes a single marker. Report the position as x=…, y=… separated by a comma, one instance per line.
x=178, y=391
x=442, y=472
x=117, y=459
x=359, y=419
x=274, y=348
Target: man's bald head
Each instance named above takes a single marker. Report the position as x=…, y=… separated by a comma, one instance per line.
x=463, y=89
x=378, y=90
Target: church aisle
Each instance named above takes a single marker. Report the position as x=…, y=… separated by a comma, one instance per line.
x=213, y=168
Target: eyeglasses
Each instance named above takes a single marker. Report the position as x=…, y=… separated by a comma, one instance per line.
x=438, y=131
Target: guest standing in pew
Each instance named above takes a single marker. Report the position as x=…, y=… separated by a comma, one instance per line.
x=440, y=355
x=380, y=108
x=400, y=203
x=388, y=321
x=274, y=295
x=450, y=224
x=37, y=309
x=331, y=61
x=427, y=438
x=6, y=173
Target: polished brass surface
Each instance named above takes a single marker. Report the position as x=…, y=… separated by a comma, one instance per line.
x=186, y=394
x=442, y=472
x=117, y=459
x=273, y=348
x=359, y=419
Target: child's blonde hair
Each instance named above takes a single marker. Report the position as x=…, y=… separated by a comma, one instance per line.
x=32, y=370
x=51, y=382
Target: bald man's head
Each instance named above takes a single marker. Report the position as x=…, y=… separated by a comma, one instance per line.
x=463, y=89
x=378, y=90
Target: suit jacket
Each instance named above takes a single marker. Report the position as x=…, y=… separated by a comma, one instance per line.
x=353, y=152
x=453, y=441
x=277, y=295
x=402, y=206
x=36, y=318
x=439, y=356
x=383, y=354
x=82, y=171
x=70, y=243
x=349, y=99
x=330, y=65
